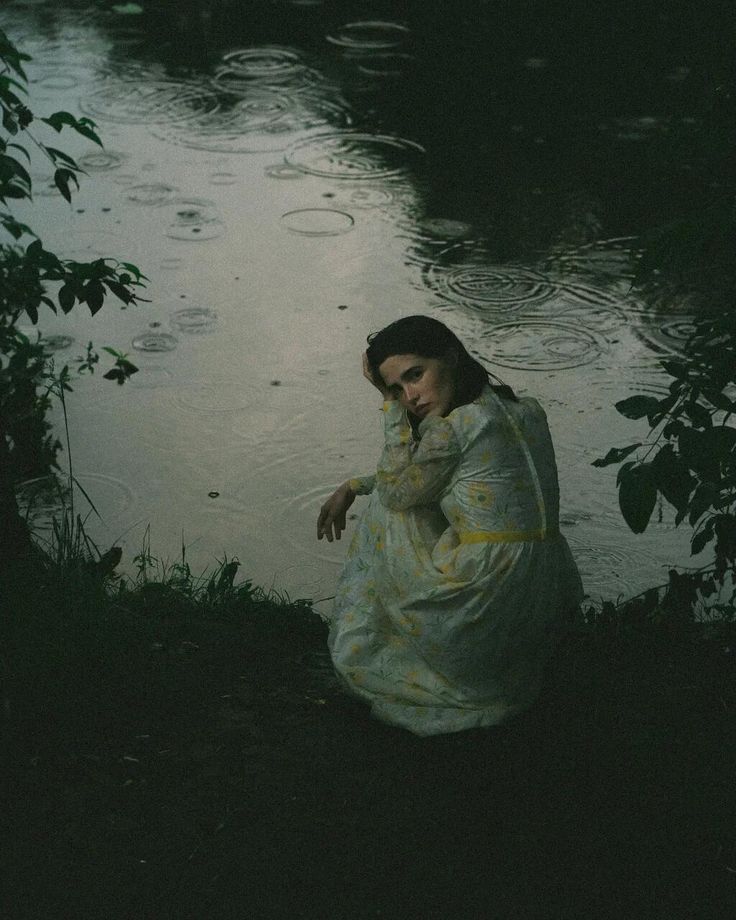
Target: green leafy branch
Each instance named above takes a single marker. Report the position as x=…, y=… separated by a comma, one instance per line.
x=689, y=459
x=32, y=276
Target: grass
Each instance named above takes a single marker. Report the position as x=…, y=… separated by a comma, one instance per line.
x=177, y=746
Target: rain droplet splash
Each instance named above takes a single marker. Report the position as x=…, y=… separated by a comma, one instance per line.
x=154, y=342
x=102, y=160
x=269, y=64
x=257, y=119
x=283, y=171
x=53, y=343
x=467, y=277
x=154, y=194
x=194, y=219
x=194, y=320
x=148, y=101
x=666, y=334
x=354, y=156
x=539, y=346
x=318, y=222
x=367, y=36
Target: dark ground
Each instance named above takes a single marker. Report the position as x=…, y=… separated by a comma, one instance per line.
x=173, y=766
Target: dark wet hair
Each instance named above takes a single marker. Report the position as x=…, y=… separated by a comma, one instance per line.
x=429, y=338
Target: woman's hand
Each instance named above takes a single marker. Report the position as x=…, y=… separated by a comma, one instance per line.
x=378, y=384
x=331, y=520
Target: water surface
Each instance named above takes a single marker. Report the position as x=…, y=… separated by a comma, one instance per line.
x=295, y=180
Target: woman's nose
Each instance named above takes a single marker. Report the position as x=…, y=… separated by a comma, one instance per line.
x=411, y=394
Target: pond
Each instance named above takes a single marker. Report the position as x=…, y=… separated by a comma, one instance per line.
x=293, y=175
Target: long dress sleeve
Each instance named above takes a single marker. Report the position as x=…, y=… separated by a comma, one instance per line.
x=412, y=474
x=363, y=485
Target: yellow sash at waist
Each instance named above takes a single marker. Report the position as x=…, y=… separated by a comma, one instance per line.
x=505, y=536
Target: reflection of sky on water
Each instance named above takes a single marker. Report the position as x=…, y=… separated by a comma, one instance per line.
x=278, y=231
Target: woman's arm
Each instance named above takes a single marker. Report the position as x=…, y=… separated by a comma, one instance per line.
x=332, y=515
x=410, y=475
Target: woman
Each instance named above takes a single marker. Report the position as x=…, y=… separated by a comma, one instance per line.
x=457, y=582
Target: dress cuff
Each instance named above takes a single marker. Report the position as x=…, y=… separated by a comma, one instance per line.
x=396, y=425
x=362, y=485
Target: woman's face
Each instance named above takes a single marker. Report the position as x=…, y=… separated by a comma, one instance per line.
x=424, y=386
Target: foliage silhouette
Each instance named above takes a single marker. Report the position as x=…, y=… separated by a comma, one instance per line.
x=32, y=277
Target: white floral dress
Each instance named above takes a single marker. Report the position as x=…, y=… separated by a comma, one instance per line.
x=457, y=581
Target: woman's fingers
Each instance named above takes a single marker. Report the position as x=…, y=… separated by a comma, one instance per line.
x=333, y=514
x=326, y=522
x=322, y=522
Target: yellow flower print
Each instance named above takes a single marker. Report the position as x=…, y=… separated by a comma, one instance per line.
x=410, y=624
x=480, y=494
x=442, y=434
x=355, y=648
x=486, y=456
x=458, y=519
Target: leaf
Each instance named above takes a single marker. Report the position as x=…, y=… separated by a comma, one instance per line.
x=622, y=471
x=120, y=291
x=702, y=499
x=675, y=368
x=21, y=149
x=14, y=227
x=34, y=250
x=13, y=171
x=10, y=122
x=719, y=400
x=673, y=428
x=60, y=155
x=637, y=496
x=127, y=366
x=672, y=477
x=88, y=132
x=637, y=406
x=94, y=295
x=115, y=374
x=615, y=455
x=698, y=415
x=58, y=119
x=134, y=270
x=66, y=297
x=61, y=180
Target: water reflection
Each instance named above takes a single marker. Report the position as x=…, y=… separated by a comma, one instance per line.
x=320, y=127
x=44, y=498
